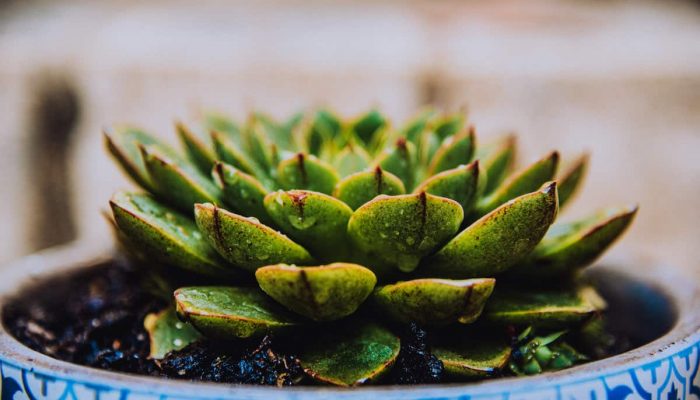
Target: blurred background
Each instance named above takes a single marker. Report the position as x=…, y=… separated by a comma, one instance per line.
x=620, y=79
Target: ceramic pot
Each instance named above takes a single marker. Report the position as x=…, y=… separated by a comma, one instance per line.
x=661, y=303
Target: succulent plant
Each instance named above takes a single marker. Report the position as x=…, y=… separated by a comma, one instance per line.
x=535, y=354
x=338, y=231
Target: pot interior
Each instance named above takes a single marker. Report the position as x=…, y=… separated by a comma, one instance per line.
x=638, y=311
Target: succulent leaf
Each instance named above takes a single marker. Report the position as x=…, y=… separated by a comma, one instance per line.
x=546, y=308
x=499, y=239
x=307, y=172
x=381, y=139
x=123, y=243
x=572, y=177
x=435, y=302
x=351, y=159
x=322, y=293
x=261, y=150
x=462, y=184
x=278, y=133
x=227, y=313
x=180, y=185
x=595, y=338
x=400, y=230
x=526, y=181
x=315, y=220
x=214, y=121
x=359, y=188
x=229, y=152
x=536, y=354
x=468, y=355
x=125, y=143
x=497, y=159
x=367, y=125
x=164, y=234
x=454, y=151
x=291, y=124
x=245, y=242
x=429, y=145
x=200, y=150
x=353, y=354
x=414, y=128
x=324, y=128
x=241, y=192
x=439, y=129
x=168, y=333
x=573, y=246
x=400, y=160
x=449, y=125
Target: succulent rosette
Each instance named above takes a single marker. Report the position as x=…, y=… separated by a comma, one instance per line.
x=345, y=229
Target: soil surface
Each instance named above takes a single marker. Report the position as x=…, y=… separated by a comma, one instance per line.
x=99, y=323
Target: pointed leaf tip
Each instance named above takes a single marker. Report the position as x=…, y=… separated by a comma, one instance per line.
x=525, y=181
x=124, y=142
x=570, y=247
x=498, y=240
x=176, y=182
x=549, y=188
x=151, y=227
x=199, y=149
x=454, y=151
x=462, y=184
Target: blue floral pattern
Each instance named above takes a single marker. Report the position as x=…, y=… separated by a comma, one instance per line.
x=670, y=374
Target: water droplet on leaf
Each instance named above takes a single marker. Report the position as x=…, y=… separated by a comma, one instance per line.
x=301, y=223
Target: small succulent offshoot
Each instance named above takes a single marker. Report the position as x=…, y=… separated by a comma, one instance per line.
x=340, y=233
x=535, y=354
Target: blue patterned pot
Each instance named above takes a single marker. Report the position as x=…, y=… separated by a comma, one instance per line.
x=666, y=368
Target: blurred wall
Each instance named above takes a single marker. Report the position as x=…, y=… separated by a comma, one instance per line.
x=619, y=79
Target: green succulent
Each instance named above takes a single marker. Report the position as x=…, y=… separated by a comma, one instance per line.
x=321, y=223
x=535, y=354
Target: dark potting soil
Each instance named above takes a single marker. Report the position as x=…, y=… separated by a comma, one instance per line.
x=98, y=322
x=415, y=363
